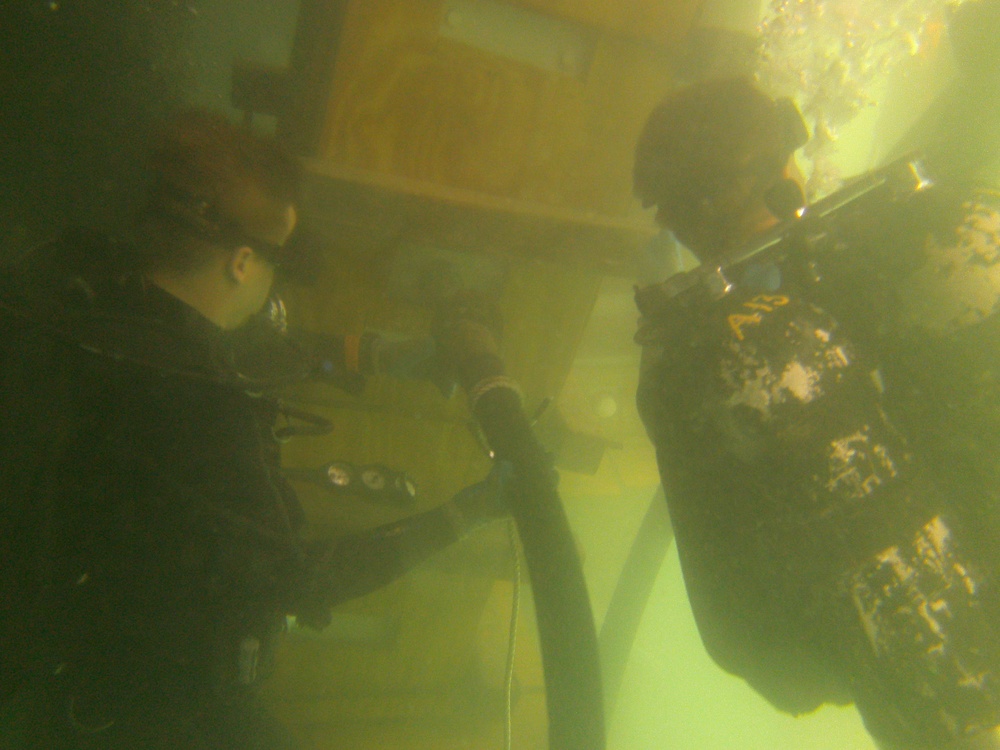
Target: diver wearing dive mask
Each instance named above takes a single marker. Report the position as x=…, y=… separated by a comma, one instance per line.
x=151, y=548
x=825, y=438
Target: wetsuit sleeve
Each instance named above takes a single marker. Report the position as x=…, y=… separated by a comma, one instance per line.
x=358, y=564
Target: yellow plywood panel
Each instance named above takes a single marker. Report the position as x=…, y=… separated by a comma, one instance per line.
x=411, y=102
x=417, y=681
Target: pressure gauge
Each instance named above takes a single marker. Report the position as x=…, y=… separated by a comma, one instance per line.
x=340, y=475
x=375, y=478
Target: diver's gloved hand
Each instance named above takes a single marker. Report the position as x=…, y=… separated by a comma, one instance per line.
x=481, y=503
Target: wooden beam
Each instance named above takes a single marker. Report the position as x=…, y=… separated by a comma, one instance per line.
x=390, y=209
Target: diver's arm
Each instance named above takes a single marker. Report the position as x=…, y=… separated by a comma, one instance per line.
x=358, y=564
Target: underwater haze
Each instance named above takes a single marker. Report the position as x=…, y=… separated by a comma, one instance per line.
x=487, y=144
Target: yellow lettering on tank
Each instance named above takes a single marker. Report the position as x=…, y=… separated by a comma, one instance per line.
x=736, y=322
x=767, y=302
x=761, y=303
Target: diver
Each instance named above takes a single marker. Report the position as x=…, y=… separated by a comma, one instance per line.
x=150, y=548
x=826, y=422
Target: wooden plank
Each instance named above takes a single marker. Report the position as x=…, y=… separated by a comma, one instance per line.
x=378, y=211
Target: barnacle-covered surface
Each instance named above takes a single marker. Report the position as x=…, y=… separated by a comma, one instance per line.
x=858, y=465
x=758, y=381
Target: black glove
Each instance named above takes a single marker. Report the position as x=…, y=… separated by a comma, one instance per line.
x=481, y=503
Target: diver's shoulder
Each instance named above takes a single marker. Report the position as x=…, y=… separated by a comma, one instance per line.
x=956, y=283
x=982, y=204
x=756, y=316
x=746, y=311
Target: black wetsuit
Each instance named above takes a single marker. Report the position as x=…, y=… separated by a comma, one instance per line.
x=828, y=452
x=149, y=547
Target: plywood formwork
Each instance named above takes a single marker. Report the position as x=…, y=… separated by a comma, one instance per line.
x=413, y=101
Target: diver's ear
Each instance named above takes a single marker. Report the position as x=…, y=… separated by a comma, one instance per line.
x=238, y=266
